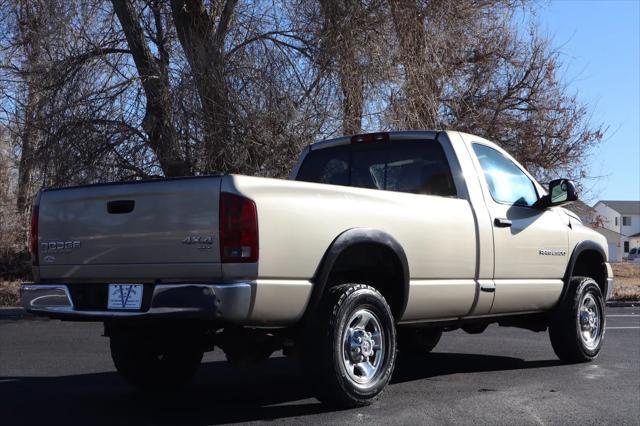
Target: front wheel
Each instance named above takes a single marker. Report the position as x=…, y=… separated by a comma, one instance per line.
x=151, y=364
x=578, y=326
x=351, y=348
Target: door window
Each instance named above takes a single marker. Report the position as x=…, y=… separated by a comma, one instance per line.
x=507, y=183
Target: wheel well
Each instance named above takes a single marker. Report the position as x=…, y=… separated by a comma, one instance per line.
x=591, y=264
x=373, y=264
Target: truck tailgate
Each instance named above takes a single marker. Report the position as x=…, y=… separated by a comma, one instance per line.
x=167, y=222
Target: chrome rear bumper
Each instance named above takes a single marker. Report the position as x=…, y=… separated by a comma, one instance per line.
x=226, y=302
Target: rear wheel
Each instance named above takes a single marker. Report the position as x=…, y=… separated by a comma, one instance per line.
x=152, y=364
x=578, y=327
x=351, y=349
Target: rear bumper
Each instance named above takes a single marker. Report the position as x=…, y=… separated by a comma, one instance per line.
x=224, y=302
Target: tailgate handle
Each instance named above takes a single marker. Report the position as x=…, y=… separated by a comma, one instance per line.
x=120, y=206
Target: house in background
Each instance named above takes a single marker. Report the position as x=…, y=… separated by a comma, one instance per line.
x=617, y=221
x=587, y=214
x=622, y=217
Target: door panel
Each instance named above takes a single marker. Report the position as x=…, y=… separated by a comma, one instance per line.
x=530, y=244
x=534, y=246
x=530, y=259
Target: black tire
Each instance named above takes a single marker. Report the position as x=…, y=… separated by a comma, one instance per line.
x=417, y=341
x=577, y=335
x=150, y=364
x=332, y=341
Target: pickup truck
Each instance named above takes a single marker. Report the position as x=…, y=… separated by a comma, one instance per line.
x=376, y=245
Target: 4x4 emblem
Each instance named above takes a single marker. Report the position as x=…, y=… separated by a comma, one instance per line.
x=198, y=239
x=204, y=242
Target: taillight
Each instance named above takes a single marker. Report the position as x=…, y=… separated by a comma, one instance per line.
x=34, y=234
x=370, y=137
x=238, y=229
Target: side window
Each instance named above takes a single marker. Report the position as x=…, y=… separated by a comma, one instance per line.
x=417, y=167
x=626, y=220
x=507, y=183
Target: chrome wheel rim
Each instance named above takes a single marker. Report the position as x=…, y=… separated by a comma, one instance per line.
x=363, y=348
x=590, y=321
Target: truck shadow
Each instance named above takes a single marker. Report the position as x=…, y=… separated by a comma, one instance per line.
x=219, y=394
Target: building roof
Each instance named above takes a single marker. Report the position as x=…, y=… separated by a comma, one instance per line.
x=623, y=207
x=581, y=209
x=611, y=236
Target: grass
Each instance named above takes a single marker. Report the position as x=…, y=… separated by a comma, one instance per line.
x=9, y=293
x=627, y=281
x=627, y=285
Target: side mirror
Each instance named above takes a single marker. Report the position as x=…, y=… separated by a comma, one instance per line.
x=561, y=191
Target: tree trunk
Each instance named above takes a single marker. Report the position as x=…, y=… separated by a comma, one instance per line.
x=29, y=13
x=341, y=41
x=203, y=44
x=158, y=120
x=421, y=88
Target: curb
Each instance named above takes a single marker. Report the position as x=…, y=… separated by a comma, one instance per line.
x=13, y=312
x=623, y=304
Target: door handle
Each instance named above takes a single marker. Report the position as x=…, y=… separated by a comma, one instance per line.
x=501, y=222
x=488, y=287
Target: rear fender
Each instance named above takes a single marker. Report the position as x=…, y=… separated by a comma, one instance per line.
x=339, y=245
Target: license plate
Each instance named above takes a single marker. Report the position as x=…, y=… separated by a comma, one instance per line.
x=125, y=296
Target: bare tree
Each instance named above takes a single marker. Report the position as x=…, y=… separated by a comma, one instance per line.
x=129, y=89
x=158, y=120
x=203, y=43
x=31, y=24
x=340, y=46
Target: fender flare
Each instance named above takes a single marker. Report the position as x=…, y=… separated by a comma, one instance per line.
x=345, y=240
x=581, y=247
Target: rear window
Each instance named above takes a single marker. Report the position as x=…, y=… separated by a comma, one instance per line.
x=417, y=167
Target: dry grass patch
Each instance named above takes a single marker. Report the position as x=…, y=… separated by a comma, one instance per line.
x=9, y=293
x=626, y=280
x=627, y=270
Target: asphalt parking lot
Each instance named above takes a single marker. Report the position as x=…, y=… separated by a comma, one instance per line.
x=55, y=372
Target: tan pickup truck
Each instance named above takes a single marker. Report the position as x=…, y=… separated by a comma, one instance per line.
x=376, y=244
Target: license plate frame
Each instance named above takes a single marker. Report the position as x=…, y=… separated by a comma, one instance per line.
x=125, y=297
